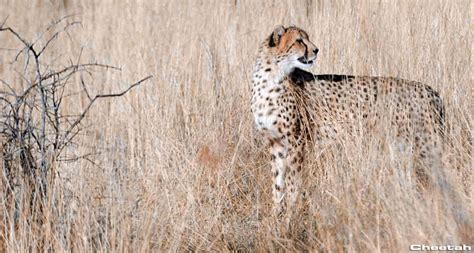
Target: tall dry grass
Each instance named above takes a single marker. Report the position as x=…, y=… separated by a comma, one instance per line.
x=177, y=165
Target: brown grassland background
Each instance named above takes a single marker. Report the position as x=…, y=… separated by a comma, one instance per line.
x=176, y=165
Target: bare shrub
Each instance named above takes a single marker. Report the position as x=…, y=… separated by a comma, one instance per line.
x=34, y=129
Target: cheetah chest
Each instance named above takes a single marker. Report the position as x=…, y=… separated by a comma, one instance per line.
x=272, y=108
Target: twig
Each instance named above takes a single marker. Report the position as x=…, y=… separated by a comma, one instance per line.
x=52, y=25
x=3, y=23
x=85, y=89
x=83, y=114
x=56, y=36
x=15, y=34
x=76, y=158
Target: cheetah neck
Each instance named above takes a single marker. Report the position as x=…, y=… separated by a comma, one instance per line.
x=267, y=71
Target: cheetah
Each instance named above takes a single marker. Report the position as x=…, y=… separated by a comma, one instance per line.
x=291, y=106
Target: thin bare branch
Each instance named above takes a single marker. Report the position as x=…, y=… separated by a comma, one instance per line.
x=83, y=114
x=8, y=29
x=8, y=86
x=52, y=25
x=56, y=35
x=85, y=89
x=4, y=22
x=75, y=158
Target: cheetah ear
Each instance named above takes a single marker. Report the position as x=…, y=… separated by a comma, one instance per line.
x=276, y=36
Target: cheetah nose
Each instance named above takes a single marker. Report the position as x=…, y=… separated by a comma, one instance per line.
x=316, y=51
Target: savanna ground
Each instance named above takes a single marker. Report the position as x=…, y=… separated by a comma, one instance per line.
x=175, y=164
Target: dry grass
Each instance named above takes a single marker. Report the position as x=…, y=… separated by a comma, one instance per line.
x=177, y=164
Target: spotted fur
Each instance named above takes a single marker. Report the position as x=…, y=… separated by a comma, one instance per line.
x=291, y=106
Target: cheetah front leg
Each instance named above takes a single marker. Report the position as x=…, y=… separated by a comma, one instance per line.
x=279, y=151
x=287, y=157
x=294, y=180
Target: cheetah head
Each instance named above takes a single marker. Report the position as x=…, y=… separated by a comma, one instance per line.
x=292, y=48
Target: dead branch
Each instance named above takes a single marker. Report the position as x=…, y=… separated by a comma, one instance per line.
x=83, y=114
x=33, y=128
